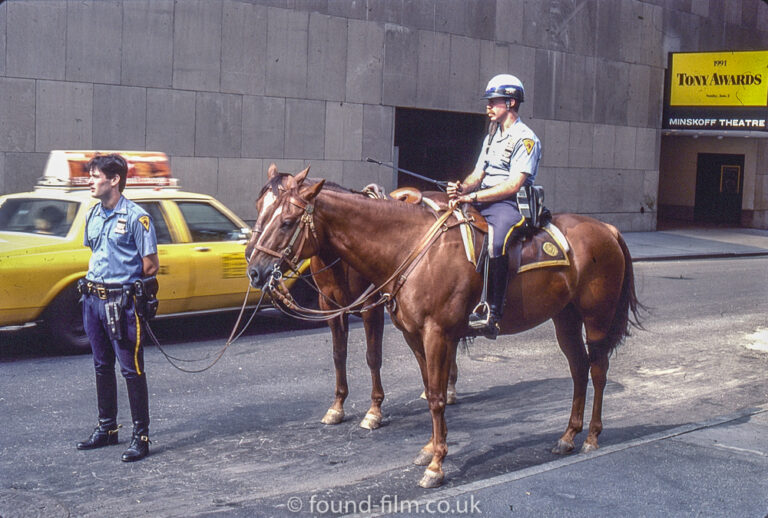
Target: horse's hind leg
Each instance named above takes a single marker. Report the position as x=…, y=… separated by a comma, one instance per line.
x=340, y=333
x=568, y=325
x=373, y=320
x=598, y=361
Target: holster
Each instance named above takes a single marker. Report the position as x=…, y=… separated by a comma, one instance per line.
x=114, y=313
x=145, y=291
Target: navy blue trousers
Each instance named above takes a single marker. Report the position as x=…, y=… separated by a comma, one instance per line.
x=129, y=353
x=504, y=220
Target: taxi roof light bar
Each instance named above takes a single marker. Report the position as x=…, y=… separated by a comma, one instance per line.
x=67, y=169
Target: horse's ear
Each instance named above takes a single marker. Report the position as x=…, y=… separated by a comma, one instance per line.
x=300, y=176
x=314, y=190
x=272, y=171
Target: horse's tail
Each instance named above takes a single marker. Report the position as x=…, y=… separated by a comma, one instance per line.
x=629, y=310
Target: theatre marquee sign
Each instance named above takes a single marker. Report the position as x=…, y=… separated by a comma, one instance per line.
x=717, y=91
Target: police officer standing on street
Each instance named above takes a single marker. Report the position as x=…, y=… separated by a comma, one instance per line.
x=508, y=161
x=121, y=272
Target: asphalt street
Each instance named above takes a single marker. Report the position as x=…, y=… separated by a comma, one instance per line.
x=685, y=420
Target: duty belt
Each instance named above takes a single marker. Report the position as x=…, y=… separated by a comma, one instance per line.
x=103, y=291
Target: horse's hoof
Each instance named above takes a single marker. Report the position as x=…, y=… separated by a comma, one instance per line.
x=588, y=448
x=423, y=394
x=431, y=479
x=333, y=416
x=450, y=398
x=423, y=458
x=370, y=421
x=562, y=447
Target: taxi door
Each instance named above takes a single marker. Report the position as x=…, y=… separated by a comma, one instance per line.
x=216, y=250
x=175, y=274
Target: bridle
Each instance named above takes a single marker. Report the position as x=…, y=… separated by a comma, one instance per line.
x=301, y=233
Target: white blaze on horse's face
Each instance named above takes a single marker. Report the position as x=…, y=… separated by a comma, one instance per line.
x=269, y=200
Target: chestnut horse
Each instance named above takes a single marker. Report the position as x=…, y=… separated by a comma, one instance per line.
x=432, y=296
x=338, y=286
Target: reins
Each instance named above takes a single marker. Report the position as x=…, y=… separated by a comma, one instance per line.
x=399, y=276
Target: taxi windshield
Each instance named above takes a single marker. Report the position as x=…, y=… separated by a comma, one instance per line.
x=37, y=216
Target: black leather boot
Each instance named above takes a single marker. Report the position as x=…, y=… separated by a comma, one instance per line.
x=139, y=447
x=485, y=319
x=138, y=397
x=103, y=435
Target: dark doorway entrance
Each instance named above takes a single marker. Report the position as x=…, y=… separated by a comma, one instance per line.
x=719, y=184
x=436, y=144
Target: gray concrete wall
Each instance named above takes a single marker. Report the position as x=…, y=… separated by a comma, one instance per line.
x=227, y=86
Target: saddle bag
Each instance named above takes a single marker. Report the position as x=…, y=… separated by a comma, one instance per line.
x=145, y=291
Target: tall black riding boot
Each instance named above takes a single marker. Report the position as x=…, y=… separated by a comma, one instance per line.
x=138, y=397
x=105, y=434
x=498, y=269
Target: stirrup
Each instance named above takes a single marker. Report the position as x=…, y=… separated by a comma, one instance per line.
x=480, y=322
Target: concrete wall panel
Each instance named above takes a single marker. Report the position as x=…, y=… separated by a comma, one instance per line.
x=434, y=66
x=465, y=74
x=556, y=141
x=471, y=19
x=331, y=170
x=639, y=88
x=400, y=66
x=304, y=129
x=218, y=124
x=509, y=20
x=119, y=117
x=197, y=45
x=147, y=50
x=351, y=9
x=17, y=114
x=22, y=171
x=239, y=184
x=356, y=175
x=63, y=115
x=287, y=53
x=385, y=11
x=36, y=39
x=522, y=64
x=171, y=121
x=243, y=48
x=494, y=60
x=647, y=148
x=263, y=126
x=608, y=33
x=612, y=92
x=3, y=37
x=545, y=67
x=420, y=15
x=365, y=60
x=327, y=60
x=196, y=174
x=603, y=145
x=89, y=21
x=624, y=151
x=378, y=132
x=343, y=131
x=580, y=144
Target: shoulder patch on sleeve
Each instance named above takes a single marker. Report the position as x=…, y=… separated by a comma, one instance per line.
x=529, y=144
x=144, y=220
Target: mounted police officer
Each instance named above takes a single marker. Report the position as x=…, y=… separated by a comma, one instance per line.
x=508, y=161
x=124, y=260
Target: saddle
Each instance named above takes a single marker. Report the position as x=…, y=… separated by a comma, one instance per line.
x=544, y=245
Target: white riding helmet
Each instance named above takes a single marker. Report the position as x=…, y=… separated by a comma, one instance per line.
x=505, y=86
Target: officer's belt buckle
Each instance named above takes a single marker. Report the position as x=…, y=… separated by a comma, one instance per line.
x=101, y=291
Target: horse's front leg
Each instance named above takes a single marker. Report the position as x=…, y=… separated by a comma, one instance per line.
x=340, y=333
x=373, y=320
x=439, y=354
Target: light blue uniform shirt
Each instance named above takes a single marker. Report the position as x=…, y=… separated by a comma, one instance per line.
x=119, y=241
x=516, y=150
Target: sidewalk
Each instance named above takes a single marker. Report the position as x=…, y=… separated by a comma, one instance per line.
x=715, y=468
x=696, y=242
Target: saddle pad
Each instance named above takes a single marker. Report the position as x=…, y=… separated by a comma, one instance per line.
x=547, y=248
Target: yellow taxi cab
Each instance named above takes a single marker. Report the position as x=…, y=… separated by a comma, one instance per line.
x=201, y=246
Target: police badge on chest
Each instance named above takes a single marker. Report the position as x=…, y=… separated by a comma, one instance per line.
x=120, y=226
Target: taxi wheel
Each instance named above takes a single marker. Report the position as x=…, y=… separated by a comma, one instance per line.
x=64, y=322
